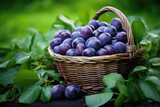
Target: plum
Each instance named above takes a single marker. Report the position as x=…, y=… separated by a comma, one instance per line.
x=111, y=30
x=103, y=24
x=65, y=34
x=114, y=42
x=77, y=41
x=122, y=37
x=80, y=48
x=63, y=48
x=87, y=32
x=68, y=41
x=89, y=39
x=123, y=29
x=101, y=52
x=76, y=34
x=57, y=35
x=126, y=44
x=101, y=28
x=71, y=52
x=89, y=52
x=78, y=28
x=94, y=23
x=118, y=32
x=105, y=38
x=57, y=91
x=120, y=47
x=116, y=22
x=55, y=42
x=56, y=49
x=110, y=49
x=95, y=43
x=72, y=91
x=96, y=33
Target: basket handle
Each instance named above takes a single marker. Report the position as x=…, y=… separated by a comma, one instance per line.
x=131, y=48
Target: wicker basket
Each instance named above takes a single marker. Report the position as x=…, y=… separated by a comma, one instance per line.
x=87, y=72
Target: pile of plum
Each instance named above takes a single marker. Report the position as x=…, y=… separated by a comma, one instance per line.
x=70, y=92
x=94, y=39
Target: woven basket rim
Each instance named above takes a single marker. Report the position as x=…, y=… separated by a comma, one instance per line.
x=80, y=58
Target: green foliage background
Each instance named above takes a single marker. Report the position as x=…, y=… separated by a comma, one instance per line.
x=18, y=15
x=27, y=71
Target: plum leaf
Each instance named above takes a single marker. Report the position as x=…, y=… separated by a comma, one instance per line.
x=155, y=61
x=150, y=91
x=97, y=100
x=3, y=65
x=30, y=94
x=110, y=79
x=139, y=29
x=21, y=57
x=25, y=78
x=120, y=100
x=139, y=69
x=6, y=77
x=46, y=94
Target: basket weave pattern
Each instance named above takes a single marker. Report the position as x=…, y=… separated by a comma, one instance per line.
x=87, y=72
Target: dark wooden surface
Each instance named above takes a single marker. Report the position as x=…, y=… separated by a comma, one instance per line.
x=71, y=103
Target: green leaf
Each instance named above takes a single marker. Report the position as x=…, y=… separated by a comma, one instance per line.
x=106, y=90
x=147, y=44
x=120, y=100
x=30, y=94
x=152, y=37
x=37, y=51
x=40, y=72
x=154, y=72
x=68, y=24
x=39, y=44
x=21, y=57
x=155, y=61
x=123, y=88
x=24, y=43
x=25, y=78
x=32, y=30
x=150, y=91
x=154, y=80
x=3, y=65
x=46, y=94
x=9, y=56
x=49, y=35
x=139, y=69
x=135, y=90
x=53, y=74
x=63, y=83
x=110, y=79
x=66, y=20
x=16, y=48
x=98, y=99
x=12, y=94
x=6, y=77
x=58, y=26
x=24, y=65
x=4, y=96
x=139, y=29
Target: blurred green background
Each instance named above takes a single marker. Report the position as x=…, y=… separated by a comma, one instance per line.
x=18, y=15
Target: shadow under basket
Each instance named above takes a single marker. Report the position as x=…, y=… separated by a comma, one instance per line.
x=87, y=72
